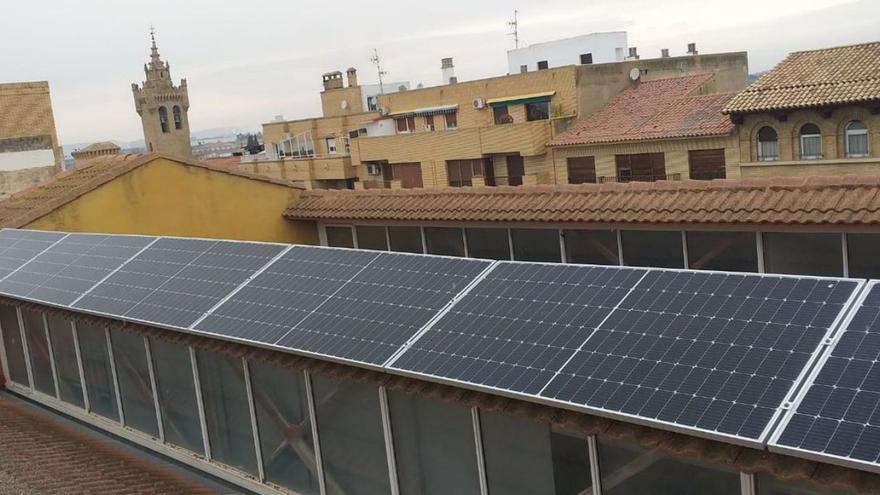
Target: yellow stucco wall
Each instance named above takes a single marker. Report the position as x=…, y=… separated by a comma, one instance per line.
x=165, y=197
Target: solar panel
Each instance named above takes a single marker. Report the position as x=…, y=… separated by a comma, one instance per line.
x=70, y=267
x=837, y=417
x=712, y=352
x=383, y=306
x=519, y=325
x=17, y=247
x=175, y=281
x=283, y=294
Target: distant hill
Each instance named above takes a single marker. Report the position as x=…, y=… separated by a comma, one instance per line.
x=754, y=77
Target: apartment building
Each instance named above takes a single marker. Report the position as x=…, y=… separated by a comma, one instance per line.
x=494, y=131
x=816, y=113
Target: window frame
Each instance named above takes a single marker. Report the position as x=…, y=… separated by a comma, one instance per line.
x=543, y=65
x=451, y=120
x=501, y=115
x=847, y=133
x=178, y=118
x=804, y=138
x=535, y=106
x=163, y=120
x=760, y=145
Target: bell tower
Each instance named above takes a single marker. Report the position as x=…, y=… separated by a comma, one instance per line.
x=163, y=108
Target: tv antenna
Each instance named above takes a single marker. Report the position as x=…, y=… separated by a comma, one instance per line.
x=514, y=26
x=378, y=63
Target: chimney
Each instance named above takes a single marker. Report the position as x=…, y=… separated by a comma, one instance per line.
x=692, y=49
x=664, y=53
x=448, y=71
x=332, y=80
x=352, y=75
x=633, y=53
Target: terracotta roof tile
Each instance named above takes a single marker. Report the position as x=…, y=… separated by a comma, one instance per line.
x=28, y=205
x=814, y=201
x=663, y=108
x=830, y=76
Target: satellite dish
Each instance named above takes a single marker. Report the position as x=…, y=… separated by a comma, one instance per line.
x=344, y=104
x=635, y=74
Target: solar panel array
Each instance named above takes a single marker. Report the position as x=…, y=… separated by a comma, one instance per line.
x=839, y=413
x=714, y=354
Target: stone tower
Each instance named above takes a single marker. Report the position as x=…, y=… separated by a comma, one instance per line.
x=163, y=108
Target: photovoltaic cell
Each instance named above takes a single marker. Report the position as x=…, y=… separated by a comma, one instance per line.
x=708, y=351
x=839, y=415
x=519, y=325
x=17, y=247
x=384, y=305
x=276, y=300
x=71, y=266
x=175, y=281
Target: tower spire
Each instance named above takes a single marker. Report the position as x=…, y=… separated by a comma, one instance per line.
x=155, y=59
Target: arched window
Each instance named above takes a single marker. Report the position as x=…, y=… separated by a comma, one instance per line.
x=856, y=139
x=163, y=119
x=811, y=142
x=768, y=144
x=176, y=112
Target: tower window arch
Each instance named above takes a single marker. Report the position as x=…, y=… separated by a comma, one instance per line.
x=811, y=142
x=178, y=123
x=768, y=144
x=856, y=136
x=163, y=118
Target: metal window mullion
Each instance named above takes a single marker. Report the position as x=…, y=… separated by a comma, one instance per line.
x=79, y=364
x=478, y=446
x=424, y=240
x=389, y=441
x=595, y=474
x=619, y=247
x=563, y=256
x=154, y=385
x=465, y=241
x=354, y=237
x=844, y=249
x=759, y=245
x=319, y=461
x=322, y=235
x=387, y=238
x=747, y=484
x=253, y=411
x=51, y=350
x=510, y=243
x=25, y=347
x=200, y=402
x=684, y=249
x=112, y=359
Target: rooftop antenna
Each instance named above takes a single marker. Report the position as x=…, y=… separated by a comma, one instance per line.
x=378, y=63
x=514, y=25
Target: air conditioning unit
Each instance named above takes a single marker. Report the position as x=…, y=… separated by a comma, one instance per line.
x=374, y=169
x=383, y=111
x=479, y=103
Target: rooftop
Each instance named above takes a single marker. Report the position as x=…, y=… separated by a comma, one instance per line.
x=101, y=146
x=814, y=78
x=826, y=201
x=28, y=205
x=659, y=109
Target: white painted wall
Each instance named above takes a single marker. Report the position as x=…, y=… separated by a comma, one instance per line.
x=605, y=47
x=368, y=90
x=382, y=127
x=19, y=160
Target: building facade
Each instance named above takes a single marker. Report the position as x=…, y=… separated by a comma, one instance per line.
x=593, y=48
x=163, y=108
x=29, y=149
x=95, y=150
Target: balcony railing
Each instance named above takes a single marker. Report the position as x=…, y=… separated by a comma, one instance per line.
x=637, y=178
x=708, y=174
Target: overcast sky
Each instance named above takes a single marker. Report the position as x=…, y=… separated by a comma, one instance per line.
x=248, y=61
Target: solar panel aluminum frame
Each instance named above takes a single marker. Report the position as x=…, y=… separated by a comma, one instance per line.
x=759, y=443
x=806, y=383
x=38, y=254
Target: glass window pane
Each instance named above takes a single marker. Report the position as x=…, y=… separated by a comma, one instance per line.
x=285, y=428
x=727, y=251
x=768, y=485
x=525, y=457
x=66, y=365
x=12, y=343
x=803, y=254
x=38, y=348
x=592, y=247
x=863, y=255
x=536, y=245
x=96, y=369
x=227, y=413
x=434, y=446
x=339, y=237
x=628, y=469
x=177, y=395
x=135, y=390
x=351, y=435
x=405, y=239
x=444, y=240
x=657, y=248
x=372, y=238
x=492, y=244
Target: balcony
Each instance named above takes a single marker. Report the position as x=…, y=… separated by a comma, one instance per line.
x=636, y=178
